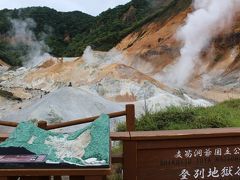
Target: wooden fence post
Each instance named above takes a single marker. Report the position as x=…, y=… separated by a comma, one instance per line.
x=130, y=117
x=130, y=160
x=42, y=124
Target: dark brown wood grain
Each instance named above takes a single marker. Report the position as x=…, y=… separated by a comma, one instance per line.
x=8, y=123
x=55, y=172
x=76, y=178
x=117, y=158
x=151, y=155
x=130, y=117
x=3, y=178
x=13, y=178
x=34, y=178
x=42, y=124
x=130, y=160
x=95, y=178
x=119, y=136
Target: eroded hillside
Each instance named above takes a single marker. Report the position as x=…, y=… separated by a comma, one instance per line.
x=217, y=75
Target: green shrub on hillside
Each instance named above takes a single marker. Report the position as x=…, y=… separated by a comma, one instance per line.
x=226, y=114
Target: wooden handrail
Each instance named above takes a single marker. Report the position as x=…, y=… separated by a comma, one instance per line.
x=3, y=137
x=64, y=124
x=129, y=113
x=81, y=121
x=8, y=123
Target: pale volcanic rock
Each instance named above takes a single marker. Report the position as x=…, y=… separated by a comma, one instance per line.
x=64, y=104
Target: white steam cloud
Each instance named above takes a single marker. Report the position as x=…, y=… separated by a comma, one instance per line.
x=96, y=58
x=22, y=34
x=210, y=17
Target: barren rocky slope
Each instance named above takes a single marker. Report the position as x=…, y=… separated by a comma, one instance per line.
x=217, y=77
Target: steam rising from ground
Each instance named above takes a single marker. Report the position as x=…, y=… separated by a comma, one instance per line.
x=22, y=35
x=95, y=58
x=209, y=19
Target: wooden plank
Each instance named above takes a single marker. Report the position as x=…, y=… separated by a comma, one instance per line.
x=9, y=178
x=87, y=177
x=55, y=172
x=13, y=178
x=173, y=143
x=130, y=160
x=166, y=155
x=3, y=178
x=35, y=178
x=117, y=158
x=118, y=136
x=180, y=134
x=76, y=178
x=155, y=163
x=95, y=178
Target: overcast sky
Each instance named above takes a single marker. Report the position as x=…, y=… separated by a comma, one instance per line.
x=93, y=7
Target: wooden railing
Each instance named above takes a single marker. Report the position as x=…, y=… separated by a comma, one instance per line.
x=168, y=154
x=8, y=123
x=130, y=125
x=129, y=113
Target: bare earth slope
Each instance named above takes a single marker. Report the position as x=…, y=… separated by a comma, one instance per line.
x=155, y=44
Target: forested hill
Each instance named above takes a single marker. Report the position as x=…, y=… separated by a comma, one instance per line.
x=68, y=33
x=55, y=28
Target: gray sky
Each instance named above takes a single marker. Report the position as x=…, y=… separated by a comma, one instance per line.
x=93, y=7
